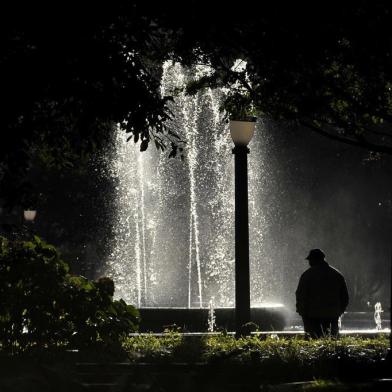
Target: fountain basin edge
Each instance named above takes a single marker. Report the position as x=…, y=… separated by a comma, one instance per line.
x=157, y=319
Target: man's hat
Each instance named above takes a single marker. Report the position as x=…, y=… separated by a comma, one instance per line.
x=315, y=254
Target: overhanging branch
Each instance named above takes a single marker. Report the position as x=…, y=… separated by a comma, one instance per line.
x=352, y=142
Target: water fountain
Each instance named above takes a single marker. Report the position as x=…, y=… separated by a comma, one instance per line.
x=173, y=222
x=172, y=248
x=377, y=316
x=211, y=316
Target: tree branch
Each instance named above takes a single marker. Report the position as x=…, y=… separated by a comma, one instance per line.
x=357, y=143
x=360, y=108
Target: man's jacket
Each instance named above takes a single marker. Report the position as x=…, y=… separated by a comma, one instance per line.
x=321, y=292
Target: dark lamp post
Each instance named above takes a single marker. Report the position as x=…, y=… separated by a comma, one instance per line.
x=241, y=133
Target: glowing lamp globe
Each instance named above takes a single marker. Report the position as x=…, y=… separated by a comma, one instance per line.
x=242, y=131
x=29, y=215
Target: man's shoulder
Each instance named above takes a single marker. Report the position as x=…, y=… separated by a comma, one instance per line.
x=335, y=271
x=321, y=270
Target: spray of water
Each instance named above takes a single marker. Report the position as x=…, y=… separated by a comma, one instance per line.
x=211, y=316
x=377, y=316
x=173, y=221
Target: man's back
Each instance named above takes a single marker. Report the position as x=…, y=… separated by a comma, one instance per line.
x=321, y=292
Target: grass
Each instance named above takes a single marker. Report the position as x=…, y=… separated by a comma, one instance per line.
x=172, y=345
x=271, y=359
x=221, y=360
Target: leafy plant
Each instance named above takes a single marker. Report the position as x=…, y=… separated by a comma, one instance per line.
x=42, y=305
x=149, y=347
x=274, y=359
x=239, y=107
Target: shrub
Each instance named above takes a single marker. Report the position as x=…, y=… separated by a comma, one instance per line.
x=42, y=305
x=264, y=360
x=152, y=348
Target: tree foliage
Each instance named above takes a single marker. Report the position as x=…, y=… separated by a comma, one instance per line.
x=68, y=77
x=326, y=68
x=42, y=305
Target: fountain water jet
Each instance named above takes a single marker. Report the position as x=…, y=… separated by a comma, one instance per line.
x=173, y=221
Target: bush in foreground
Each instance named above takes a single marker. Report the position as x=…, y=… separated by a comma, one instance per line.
x=42, y=305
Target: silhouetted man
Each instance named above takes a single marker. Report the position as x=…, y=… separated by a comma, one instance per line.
x=322, y=296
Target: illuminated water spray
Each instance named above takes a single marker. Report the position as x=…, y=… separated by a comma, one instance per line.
x=173, y=220
x=377, y=316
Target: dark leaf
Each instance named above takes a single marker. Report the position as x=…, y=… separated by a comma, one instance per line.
x=144, y=145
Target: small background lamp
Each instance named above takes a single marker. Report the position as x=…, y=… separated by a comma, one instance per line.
x=29, y=215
